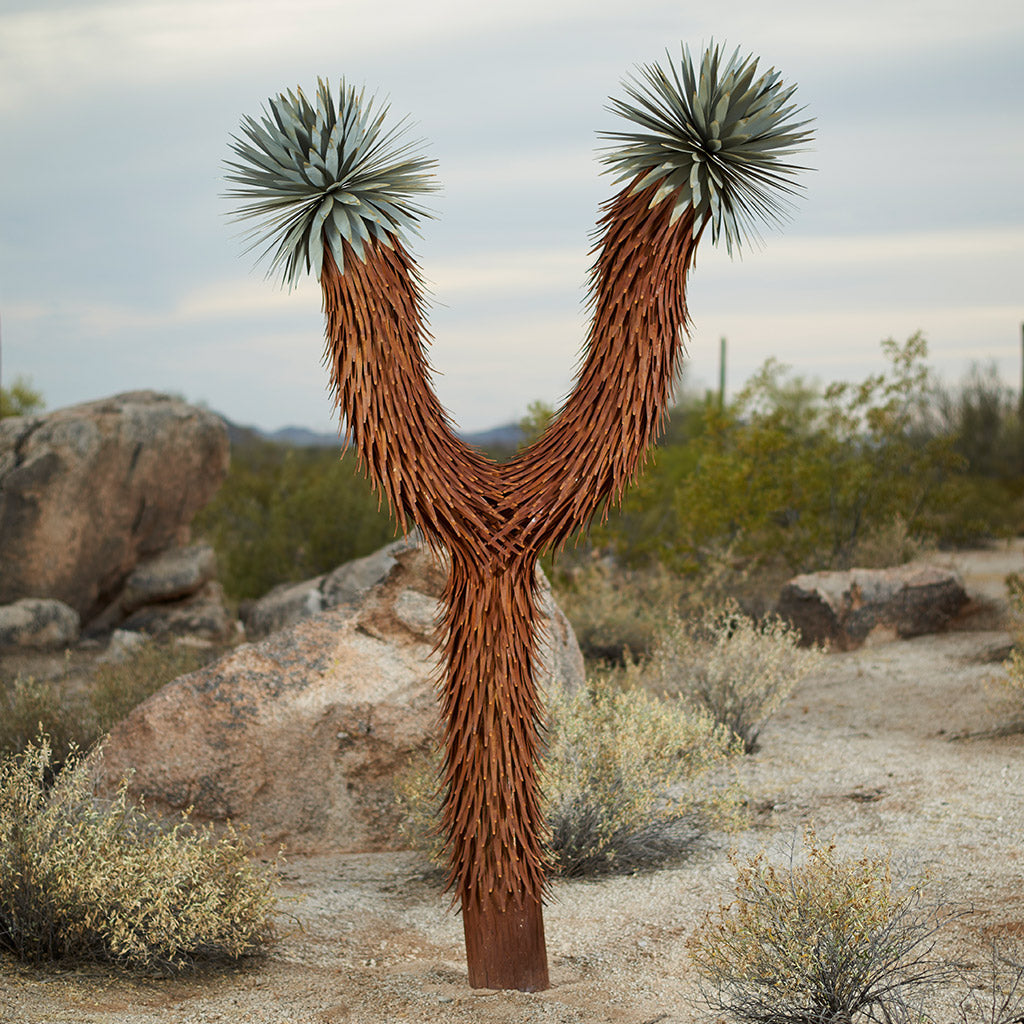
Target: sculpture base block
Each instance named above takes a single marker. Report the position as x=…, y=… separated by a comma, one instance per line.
x=505, y=948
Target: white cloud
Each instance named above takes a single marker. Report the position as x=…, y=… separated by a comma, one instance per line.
x=60, y=50
x=899, y=249
x=498, y=274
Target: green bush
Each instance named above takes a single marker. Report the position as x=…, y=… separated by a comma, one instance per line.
x=982, y=415
x=20, y=399
x=83, y=879
x=287, y=514
x=824, y=939
x=737, y=670
x=794, y=474
x=629, y=781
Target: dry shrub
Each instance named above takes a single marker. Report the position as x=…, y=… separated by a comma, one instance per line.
x=996, y=993
x=618, y=612
x=738, y=670
x=29, y=706
x=630, y=781
x=890, y=543
x=85, y=879
x=824, y=939
x=615, y=612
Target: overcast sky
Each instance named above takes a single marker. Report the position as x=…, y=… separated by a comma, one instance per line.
x=120, y=270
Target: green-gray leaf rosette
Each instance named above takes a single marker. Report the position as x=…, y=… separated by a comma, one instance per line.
x=314, y=175
x=718, y=140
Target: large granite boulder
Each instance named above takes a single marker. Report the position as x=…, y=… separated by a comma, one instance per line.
x=843, y=610
x=300, y=734
x=88, y=491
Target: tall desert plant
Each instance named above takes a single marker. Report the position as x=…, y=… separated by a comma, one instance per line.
x=333, y=193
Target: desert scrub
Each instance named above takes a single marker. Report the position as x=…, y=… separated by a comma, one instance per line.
x=29, y=706
x=615, y=612
x=85, y=879
x=1012, y=683
x=119, y=686
x=995, y=993
x=824, y=939
x=630, y=781
x=738, y=670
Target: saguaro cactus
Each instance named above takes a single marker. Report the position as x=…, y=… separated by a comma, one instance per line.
x=334, y=193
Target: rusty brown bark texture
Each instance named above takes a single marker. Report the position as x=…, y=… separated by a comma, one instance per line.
x=494, y=520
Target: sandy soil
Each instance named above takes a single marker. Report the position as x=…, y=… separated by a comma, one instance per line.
x=901, y=745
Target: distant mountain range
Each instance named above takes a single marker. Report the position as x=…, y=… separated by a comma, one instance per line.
x=507, y=437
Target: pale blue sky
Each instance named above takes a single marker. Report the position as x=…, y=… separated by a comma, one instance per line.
x=119, y=269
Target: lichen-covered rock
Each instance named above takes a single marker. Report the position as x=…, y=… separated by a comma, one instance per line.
x=37, y=623
x=300, y=735
x=345, y=586
x=88, y=491
x=843, y=610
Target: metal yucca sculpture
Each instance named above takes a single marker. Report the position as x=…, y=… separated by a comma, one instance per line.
x=334, y=192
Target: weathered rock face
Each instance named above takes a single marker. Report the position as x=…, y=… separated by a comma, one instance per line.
x=300, y=735
x=846, y=609
x=88, y=491
x=345, y=586
x=37, y=623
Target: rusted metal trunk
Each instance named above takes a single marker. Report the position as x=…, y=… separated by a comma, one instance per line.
x=493, y=819
x=494, y=521
x=505, y=948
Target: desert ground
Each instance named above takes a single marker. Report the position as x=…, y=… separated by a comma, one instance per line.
x=902, y=746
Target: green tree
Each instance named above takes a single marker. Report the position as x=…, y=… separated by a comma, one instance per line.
x=20, y=399
x=538, y=415
x=983, y=416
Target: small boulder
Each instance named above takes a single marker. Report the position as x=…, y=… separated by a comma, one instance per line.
x=169, y=576
x=38, y=623
x=299, y=735
x=203, y=615
x=344, y=587
x=844, y=610
x=283, y=606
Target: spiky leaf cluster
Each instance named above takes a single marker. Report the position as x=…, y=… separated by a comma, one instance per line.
x=716, y=139
x=315, y=175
